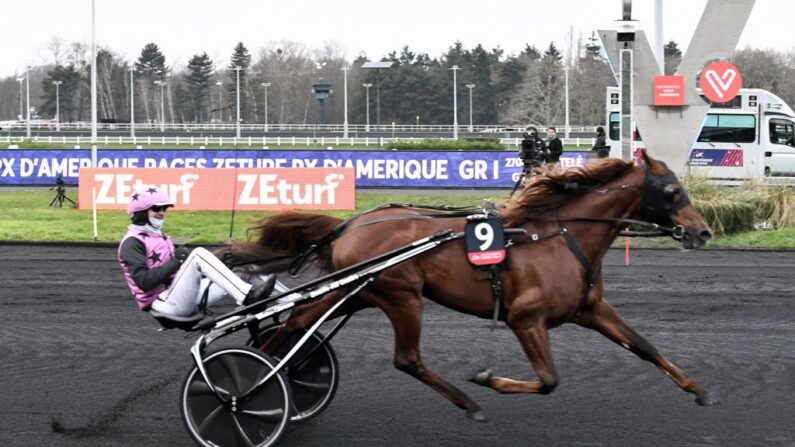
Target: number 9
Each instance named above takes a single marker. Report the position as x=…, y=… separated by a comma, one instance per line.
x=485, y=233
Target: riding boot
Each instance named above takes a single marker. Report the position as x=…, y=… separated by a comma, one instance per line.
x=260, y=291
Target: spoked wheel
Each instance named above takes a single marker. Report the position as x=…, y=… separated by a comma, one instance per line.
x=313, y=372
x=258, y=419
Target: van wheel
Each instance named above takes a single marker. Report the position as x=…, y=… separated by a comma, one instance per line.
x=767, y=171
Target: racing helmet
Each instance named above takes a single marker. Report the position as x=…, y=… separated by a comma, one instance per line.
x=145, y=197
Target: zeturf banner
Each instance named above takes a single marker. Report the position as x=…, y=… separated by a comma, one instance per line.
x=224, y=189
x=376, y=168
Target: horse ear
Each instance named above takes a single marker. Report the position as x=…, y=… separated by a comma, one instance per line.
x=653, y=165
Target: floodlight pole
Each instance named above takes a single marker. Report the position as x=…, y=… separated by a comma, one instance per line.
x=455, y=68
x=237, y=126
x=21, y=108
x=27, y=95
x=162, y=107
x=345, y=102
x=471, y=127
x=220, y=101
x=265, y=86
x=367, y=105
x=132, y=102
x=93, y=87
x=57, y=105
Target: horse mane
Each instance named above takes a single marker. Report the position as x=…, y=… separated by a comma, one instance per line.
x=553, y=186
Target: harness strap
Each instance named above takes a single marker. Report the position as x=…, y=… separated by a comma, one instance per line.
x=590, y=278
x=500, y=309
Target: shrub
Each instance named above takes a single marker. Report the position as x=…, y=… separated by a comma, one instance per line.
x=463, y=144
x=734, y=209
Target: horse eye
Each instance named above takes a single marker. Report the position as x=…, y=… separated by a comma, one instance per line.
x=670, y=191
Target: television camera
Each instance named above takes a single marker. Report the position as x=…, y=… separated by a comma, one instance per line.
x=60, y=193
x=532, y=152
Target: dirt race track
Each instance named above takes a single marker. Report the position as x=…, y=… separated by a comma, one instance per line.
x=74, y=349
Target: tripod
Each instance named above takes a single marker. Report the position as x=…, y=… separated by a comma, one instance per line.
x=60, y=196
x=527, y=171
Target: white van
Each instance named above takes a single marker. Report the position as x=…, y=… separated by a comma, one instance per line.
x=750, y=137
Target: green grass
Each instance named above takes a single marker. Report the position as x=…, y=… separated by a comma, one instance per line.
x=26, y=216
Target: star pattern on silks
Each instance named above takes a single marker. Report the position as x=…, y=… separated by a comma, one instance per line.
x=143, y=234
x=154, y=257
x=165, y=238
x=135, y=196
x=151, y=190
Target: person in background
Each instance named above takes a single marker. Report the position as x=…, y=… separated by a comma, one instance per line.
x=554, y=146
x=168, y=279
x=600, y=145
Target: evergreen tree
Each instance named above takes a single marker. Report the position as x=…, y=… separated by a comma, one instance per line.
x=150, y=67
x=531, y=52
x=70, y=78
x=240, y=58
x=198, y=80
x=673, y=56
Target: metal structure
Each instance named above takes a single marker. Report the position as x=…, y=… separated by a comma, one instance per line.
x=322, y=91
x=669, y=132
x=162, y=107
x=367, y=105
x=132, y=102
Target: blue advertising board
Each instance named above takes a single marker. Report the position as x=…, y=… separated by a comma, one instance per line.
x=374, y=169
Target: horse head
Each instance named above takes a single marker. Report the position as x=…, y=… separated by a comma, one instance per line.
x=665, y=202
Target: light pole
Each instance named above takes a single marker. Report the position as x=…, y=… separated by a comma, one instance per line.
x=455, y=68
x=345, y=102
x=132, y=102
x=265, y=86
x=566, y=72
x=220, y=101
x=93, y=87
x=470, y=87
x=21, y=112
x=27, y=96
x=57, y=105
x=237, y=125
x=162, y=106
x=367, y=105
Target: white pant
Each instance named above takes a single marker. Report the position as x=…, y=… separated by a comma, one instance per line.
x=185, y=293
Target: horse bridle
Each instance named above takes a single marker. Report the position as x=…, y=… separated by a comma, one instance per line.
x=658, y=203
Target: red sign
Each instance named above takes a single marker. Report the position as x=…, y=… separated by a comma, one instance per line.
x=669, y=90
x=223, y=189
x=721, y=81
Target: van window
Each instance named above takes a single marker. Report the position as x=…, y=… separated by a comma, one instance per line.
x=782, y=132
x=722, y=128
x=614, y=131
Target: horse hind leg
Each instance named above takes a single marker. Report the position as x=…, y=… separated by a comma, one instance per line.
x=605, y=320
x=405, y=313
x=535, y=342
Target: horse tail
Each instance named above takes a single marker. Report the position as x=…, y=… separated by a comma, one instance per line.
x=285, y=236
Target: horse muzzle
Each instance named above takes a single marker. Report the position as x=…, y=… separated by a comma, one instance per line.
x=693, y=238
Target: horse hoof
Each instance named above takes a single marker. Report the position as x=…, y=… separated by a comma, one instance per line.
x=705, y=400
x=476, y=415
x=482, y=377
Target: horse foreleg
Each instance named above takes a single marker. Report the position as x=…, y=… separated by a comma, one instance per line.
x=605, y=320
x=535, y=341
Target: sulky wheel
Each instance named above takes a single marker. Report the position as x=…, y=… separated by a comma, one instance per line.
x=258, y=419
x=313, y=379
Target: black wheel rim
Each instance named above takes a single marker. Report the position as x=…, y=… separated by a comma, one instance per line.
x=312, y=373
x=256, y=420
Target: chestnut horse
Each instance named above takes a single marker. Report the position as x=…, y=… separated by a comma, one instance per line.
x=579, y=210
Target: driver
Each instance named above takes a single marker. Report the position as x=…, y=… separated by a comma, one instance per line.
x=166, y=279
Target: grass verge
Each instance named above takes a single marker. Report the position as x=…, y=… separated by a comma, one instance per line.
x=26, y=216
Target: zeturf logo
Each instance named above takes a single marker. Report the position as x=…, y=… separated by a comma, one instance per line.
x=224, y=189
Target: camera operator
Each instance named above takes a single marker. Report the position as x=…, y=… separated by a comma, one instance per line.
x=554, y=146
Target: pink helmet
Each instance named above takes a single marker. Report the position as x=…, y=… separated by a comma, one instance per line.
x=146, y=197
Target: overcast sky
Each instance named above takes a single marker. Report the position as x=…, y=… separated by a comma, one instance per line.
x=182, y=28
